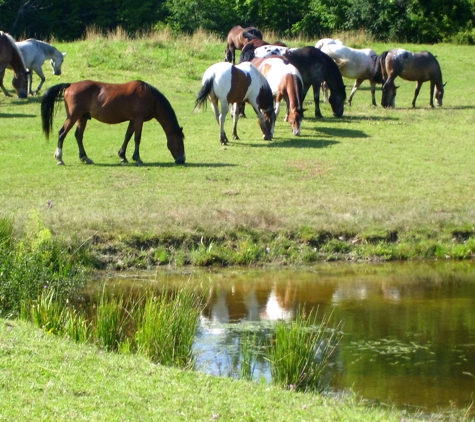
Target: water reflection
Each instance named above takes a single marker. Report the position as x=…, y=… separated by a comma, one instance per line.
x=409, y=328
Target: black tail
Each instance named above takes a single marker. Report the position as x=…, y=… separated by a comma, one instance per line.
x=52, y=95
x=203, y=94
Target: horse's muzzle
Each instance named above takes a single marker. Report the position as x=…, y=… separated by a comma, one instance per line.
x=180, y=160
x=57, y=73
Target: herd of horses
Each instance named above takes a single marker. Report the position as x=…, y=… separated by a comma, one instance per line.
x=265, y=75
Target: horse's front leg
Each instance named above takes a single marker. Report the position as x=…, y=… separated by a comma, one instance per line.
x=416, y=93
x=373, y=92
x=2, y=74
x=316, y=99
x=432, y=88
x=79, y=134
x=40, y=73
x=123, y=148
x=137, y=138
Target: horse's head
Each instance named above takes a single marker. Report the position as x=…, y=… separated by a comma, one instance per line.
x=295, y=119
x=20, y=83
x=337, y=102
x=269, y=119
x=439, y=95
x=57, y=62
x=388, y=99
x=176, y=145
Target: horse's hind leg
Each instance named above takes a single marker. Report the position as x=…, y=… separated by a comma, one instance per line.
x=137, y=137
x=316, y=99
x=416, y=93
x=79, y=134
x=40, y=73
x=357, y=84
x=123, y=148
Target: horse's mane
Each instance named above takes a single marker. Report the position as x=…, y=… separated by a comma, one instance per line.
x=14, y=46
x=164, y=102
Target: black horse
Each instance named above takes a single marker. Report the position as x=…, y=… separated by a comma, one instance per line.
x=315, y=67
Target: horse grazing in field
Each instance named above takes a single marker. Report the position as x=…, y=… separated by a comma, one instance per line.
x=420, y=67
x=35, y=53
x=10, y=56
x=286, y=83
x=237, y=38
x=326, y=41
x=136, y=102
x=314, y=67
x=359, y=64
x=230, y=84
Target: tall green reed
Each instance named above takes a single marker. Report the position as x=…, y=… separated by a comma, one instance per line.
x=110, y=323
x=166, y=327
x=300, y=351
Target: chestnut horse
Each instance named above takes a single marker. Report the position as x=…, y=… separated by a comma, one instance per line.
x=10, y=56
x=230, y=84
x=286, y=83
x=420, y=67
x=238, y=37
x=135, y=101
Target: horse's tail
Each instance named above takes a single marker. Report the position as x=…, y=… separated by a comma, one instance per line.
x=382, y=66
x=203, y=94
x=53, y=94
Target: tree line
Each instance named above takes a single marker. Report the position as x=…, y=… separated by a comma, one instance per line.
x=424, y=21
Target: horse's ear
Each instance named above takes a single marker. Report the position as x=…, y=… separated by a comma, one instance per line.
x=396, y=87
x=444, y=84
x=64, y=54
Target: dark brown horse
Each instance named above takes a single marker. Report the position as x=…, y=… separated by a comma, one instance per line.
x=420, y=67
x=238, y=37
x=10, y=56
x=136, y=102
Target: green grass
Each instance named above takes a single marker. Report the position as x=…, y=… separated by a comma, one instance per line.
x=403, y=177
x=45, y=377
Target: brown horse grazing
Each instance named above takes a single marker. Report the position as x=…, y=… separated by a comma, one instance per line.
x=136, y=102
x=286, y=84
x=238, y=37
x=10, y=56
x=419, y=67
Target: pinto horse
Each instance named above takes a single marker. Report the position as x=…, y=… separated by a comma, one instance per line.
x=359, y=64
x=10, y=56
x=230, y=84
x=314, y=67
x=286, y=83
x=35, y=53
x=420, y=67
x=135, y=101
x=237, y=38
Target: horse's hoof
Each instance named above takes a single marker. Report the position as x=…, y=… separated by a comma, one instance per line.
x=87, y=160
x=124, y=161
x=60, y=163
x=139, y=163
x=236, y=138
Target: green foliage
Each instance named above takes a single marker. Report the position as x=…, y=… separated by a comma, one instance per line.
x=166, y=327
x=300, y=351
x=110, y=323
x=33, y=264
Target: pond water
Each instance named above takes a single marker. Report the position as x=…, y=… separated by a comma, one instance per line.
x=409, y=328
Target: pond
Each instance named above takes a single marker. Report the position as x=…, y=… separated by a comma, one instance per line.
x=409, y=328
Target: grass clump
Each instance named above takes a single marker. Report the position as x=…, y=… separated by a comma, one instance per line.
x=301, y=350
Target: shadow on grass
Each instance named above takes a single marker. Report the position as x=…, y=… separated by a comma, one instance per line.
x=15, y=115
x=164, y=165
x=297, y=142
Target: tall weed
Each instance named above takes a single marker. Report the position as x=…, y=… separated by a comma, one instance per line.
x=300, y=351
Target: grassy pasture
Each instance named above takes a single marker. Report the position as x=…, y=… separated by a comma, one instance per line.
x=381, y=174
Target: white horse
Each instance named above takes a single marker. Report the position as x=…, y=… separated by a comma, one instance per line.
x=356, y=64
x=231, y=84
x=35, y=53
x=325, y=41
